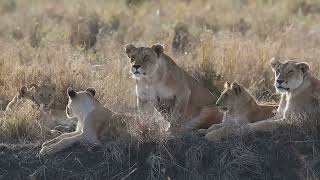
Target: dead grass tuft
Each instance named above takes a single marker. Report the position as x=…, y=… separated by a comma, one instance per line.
x=84, y=32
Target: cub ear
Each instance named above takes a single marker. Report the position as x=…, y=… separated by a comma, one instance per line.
x=54, y=86
x=227, y=85
x=91, y=91
x=22, y=92
x=71, y=93
x=236, y=87
x=34, y=86
x=128, y=48
x=274, y=62
x=158, y=48
x=304, y=67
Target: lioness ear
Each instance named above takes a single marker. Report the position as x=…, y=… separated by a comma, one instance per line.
x=227, y=85
x=92, y=91
x=304, y=67
x=274, y=62
x=158, y=48
x=236, y=87
x=71, y=93
x=22, y=92
x=128, y=48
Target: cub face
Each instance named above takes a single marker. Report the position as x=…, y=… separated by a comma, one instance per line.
x=43, y=95
x=79, y=102
x=144, y=60
x=232, y=98
x=288, y=75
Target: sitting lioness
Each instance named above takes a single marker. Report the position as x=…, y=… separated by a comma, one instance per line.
x=163, y=85
x=240, y=108
x=300, y=90
x=93, y=120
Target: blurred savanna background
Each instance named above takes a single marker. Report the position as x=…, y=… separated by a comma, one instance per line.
x=80, y=43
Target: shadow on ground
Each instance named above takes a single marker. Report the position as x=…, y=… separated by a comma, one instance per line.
x=285, y=154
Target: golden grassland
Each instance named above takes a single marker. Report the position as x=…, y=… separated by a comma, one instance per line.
x=227, y=40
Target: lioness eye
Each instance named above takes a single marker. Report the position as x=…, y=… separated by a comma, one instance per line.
x=290, y=72
x=132, y=58
x=146, y=57
x=49, y=95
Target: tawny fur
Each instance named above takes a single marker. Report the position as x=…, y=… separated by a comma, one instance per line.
x=163, y=85
x=300, y=94
x=240, y=108
x=16, y=101
x=94, y=120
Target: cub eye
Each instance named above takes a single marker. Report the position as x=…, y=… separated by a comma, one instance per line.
x=49, y=95
x=289, y=72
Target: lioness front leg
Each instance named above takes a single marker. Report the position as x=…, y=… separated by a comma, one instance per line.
x=60, y=145
x=145, y=106
x=62, y=136
x=214, y=127
x=266, y=125
x=219, y=134
x=211, y=128
x=181, y=103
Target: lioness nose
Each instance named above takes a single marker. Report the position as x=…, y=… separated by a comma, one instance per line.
x=280, y=81
x=136, y=66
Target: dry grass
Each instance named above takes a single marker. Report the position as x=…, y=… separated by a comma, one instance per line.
x=225, y=40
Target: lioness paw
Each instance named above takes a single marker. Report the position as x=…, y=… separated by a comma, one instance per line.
x=214, y=136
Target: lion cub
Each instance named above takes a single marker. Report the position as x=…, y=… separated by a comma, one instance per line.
x=93, y=120
x=240, y=108
x=162, y=84
x=42, y=97
x=23, y=93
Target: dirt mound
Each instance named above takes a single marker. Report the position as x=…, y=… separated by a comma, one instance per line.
x=287, y=154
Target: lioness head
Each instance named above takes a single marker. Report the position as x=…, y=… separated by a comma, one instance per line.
x=144, y=60
x=233, y=97
x=289, y=75
x=80, y=102
x=43, y=95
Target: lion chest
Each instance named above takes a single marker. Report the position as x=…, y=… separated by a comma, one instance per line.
x=304, y=107
x=158, y=94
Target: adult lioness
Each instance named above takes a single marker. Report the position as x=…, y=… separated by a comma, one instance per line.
x=300, y=94
x=163, y=85
x=93, y=120
x=240, y=108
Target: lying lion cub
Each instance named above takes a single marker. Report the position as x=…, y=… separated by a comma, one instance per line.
x=92, y=117
x=300, y=101
x=43, y=98
x=163, y=85
x=240, y=108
